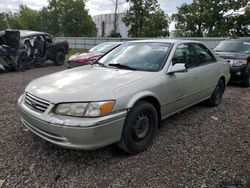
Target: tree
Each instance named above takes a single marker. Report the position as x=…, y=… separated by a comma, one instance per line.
x=3, y=21
x=26, y=19
x=209, y=18
x=116, y=4
x=68, y=17
x=146, y=19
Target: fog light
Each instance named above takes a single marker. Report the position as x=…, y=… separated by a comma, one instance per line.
x=238, y=73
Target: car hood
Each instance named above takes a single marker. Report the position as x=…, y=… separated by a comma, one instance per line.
x=85, y=56
x=82, y=84
x=232, y=55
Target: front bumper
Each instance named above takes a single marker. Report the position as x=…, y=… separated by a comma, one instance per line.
x=77, y=133
x=238, y=74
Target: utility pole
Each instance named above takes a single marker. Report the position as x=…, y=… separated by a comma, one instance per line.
x=115, y=16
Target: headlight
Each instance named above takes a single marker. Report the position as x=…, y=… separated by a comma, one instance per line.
x=237, y=63
x=71, y=109
x=96, y=109
x=93, y=109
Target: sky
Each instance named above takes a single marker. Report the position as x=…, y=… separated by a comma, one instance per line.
x=95, y=7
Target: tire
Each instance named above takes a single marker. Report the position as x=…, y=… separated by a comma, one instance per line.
x=216, y=97
x=247, y=81
x=139, y=128
x=60, y=58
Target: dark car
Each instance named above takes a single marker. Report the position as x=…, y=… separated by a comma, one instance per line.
x=20, y=49
x=91, y=55
x=237, y=53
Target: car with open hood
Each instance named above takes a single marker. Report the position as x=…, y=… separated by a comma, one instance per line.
x=237, y=54
x=123, y=97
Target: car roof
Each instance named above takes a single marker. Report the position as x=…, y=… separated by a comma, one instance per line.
x=247, y=39
x=112, y=43
x=28, y=33
x=171, y=41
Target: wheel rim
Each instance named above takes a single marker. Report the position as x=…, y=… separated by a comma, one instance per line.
x=141, y=126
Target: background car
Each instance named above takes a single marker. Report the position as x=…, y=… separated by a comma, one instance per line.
x=237, y=53
x=124, y=96
x=20, y=49
x=91, y=55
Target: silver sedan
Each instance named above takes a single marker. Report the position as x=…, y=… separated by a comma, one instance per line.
x=123, y=97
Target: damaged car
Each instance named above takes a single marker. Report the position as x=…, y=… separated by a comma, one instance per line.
x=123, y=97
x=22, y=49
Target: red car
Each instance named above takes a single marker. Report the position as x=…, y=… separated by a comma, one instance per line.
x=92, y=55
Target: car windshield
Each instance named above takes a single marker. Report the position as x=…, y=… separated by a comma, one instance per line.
x=233, y=46
x=138, y=56
x=103, y=48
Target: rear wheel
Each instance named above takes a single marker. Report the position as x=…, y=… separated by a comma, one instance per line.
x=60, y=58
x=216, y=97
x=139, y=128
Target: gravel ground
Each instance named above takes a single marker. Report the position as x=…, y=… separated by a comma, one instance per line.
x=193, y=148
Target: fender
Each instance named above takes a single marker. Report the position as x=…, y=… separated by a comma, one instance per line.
x=139, y=96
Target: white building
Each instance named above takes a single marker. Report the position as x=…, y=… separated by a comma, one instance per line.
x=105, y=24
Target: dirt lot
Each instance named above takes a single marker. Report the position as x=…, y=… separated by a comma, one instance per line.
x=193, y=148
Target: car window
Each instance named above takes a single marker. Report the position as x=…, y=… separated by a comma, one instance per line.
x=203, y=54
x=233, y=46
x=104, y=47
x=144, y=56
x=184, y=54
x=49, y=39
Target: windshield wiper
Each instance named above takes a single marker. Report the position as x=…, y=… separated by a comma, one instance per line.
x=121, y=66
x=98, y=63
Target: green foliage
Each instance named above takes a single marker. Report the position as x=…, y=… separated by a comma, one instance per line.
x=69, y=18
x=115, y=34
x=60, y=18
x=27, y=19
x=146, y=19
x=3, y=21
x=209, y=18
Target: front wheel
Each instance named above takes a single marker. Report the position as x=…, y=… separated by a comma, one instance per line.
x=60, y=58
x=216, y=97
x=139, y=128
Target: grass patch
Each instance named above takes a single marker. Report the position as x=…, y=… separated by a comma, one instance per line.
x=73, y=51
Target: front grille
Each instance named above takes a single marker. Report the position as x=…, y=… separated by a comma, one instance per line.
x=36, y=103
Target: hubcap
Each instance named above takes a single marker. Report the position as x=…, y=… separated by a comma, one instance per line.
x=141, y=127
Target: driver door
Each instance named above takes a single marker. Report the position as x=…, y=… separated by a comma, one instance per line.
x=182, y=88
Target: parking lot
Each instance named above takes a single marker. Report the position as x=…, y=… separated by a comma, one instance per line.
x=200, y=146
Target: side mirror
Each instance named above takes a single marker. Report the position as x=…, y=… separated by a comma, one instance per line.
x=178, y=68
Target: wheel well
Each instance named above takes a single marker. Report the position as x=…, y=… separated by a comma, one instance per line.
x=224, y=82
x=157, y=106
